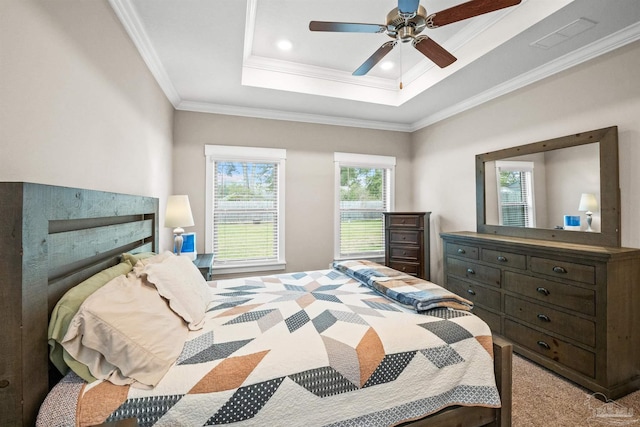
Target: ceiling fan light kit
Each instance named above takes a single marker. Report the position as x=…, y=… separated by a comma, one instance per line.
x=405, y=23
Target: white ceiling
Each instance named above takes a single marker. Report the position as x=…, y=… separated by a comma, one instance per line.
x=221, y=56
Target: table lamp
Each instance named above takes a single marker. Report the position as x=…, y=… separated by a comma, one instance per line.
x=178, y=215
x=588, y=203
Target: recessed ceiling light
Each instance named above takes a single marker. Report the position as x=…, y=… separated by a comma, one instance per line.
x=284, y=45
x=386, y=65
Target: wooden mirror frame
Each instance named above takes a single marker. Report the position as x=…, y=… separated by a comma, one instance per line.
x=609, y=190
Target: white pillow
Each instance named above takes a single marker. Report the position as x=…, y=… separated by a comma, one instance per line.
x=126, y=333
x=178, y=280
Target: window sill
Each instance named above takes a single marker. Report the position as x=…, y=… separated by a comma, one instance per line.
x=234, y=269
x=378, y=259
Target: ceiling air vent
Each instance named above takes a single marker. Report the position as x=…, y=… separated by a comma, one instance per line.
x=565, y=33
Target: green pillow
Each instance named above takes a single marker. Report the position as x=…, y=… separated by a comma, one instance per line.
x=64, y=311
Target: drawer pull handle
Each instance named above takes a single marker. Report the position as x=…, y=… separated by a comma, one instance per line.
x=559, y=270
x=404, y=252
x=461, y=251
x=471, y=291
x=544, y=345
x=544, y=317
x=543, y=291
x=470, y=271
x=4, y=383
x=502, y=259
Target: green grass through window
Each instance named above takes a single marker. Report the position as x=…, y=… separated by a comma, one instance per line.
x=360, y=236
x=256, y=240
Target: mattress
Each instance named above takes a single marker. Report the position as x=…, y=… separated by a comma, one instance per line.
x=315, y=348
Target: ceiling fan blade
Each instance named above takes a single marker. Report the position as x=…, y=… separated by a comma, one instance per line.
x=467, y=10
x=374, y=59
x=432, y=50
x=346, y=27
x=408, y=6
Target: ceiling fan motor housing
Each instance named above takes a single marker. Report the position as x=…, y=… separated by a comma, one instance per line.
x=406, y=29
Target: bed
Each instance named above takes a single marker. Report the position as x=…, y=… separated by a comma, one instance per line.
x=59, y=237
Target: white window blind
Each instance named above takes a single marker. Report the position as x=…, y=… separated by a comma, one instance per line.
x=364, y=192
x=246, y=206
x=515, y=193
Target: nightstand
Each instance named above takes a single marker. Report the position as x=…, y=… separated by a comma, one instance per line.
x=204, y=262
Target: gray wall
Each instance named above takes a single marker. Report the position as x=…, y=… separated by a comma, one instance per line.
x=600, y=93
x=309, y=198
x=79, y=108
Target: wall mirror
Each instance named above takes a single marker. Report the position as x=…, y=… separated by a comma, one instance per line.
x=564, y=189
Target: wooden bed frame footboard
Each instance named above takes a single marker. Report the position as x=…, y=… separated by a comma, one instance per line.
x=52, y=238
x=55, y=237
x=473, y=416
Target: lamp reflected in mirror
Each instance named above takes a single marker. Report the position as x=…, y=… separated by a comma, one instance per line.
x=588, y=204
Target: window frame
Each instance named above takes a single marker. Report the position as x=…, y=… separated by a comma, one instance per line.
x=361, y=161
x=215, y=153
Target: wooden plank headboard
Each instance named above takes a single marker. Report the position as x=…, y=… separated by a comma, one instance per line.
x=52, y=238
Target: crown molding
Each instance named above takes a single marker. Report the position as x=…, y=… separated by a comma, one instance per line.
x=128, y=16
x=320, y=73
x=607, y=44
x=205, y=107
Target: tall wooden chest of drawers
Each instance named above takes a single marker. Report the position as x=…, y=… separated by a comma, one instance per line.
x=407, y=242
x=572, y=308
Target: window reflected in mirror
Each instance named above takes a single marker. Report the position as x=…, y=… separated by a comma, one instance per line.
x=515, y=193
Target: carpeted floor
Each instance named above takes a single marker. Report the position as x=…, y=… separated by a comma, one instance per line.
x=542, y=398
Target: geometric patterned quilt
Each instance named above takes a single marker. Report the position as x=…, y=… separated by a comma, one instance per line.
x=309, y=349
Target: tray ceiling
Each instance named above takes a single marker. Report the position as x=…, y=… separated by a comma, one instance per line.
x=224, y=57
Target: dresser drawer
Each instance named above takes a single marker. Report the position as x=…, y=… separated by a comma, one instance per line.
x=505, y=259
x=579, y=329
x=404, y=253
x=565, y=270
x=411, y=268
x=462, y=251
x=475, y=293
x=472, y=271
x=556, y=293
x=555, y=349
x=399, y=221
x=404, y=237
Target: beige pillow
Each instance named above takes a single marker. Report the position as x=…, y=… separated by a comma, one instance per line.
x=181, y=283
x=64, y=311
x=125, y=333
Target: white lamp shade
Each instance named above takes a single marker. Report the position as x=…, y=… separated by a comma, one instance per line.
x=588, y=203
x=178, y=212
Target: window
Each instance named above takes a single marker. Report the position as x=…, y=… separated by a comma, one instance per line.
x=364, y=190
x=515, y=193
x=245, y=208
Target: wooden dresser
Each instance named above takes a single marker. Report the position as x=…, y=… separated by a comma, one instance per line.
x=407, y=242
x=572, y=308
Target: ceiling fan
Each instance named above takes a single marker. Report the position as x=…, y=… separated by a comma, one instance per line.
x=407, y=21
